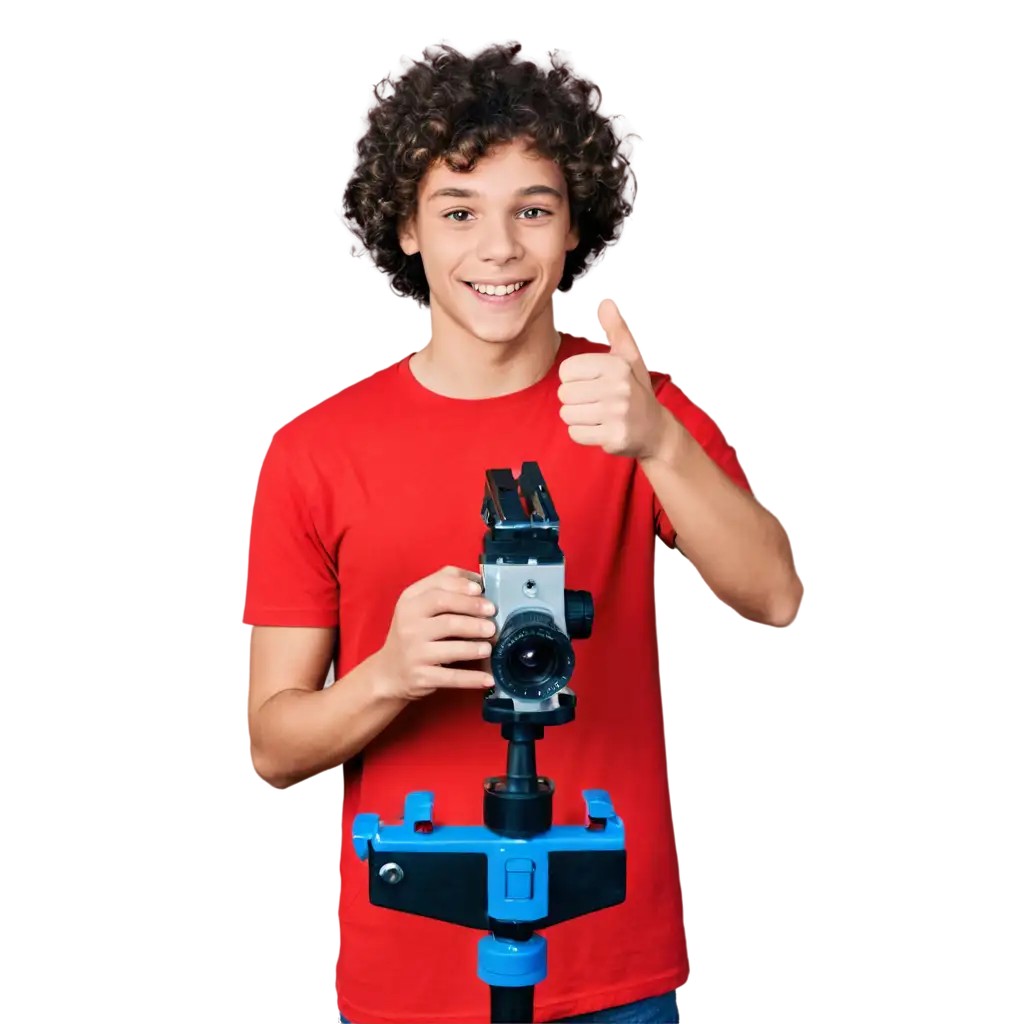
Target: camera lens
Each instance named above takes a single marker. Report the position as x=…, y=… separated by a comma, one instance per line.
x=532, y=660
x=533, y=657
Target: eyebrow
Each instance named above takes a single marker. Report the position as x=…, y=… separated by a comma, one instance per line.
x=468, y=193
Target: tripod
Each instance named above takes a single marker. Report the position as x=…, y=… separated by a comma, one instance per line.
x=512, y=876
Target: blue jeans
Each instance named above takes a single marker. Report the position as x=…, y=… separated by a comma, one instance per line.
x=655, y=1010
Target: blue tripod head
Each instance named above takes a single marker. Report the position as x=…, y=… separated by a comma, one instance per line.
x=516, y=873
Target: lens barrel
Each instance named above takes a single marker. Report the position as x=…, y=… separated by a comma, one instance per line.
x=533, y=658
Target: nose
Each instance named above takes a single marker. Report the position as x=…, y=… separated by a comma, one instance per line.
x=497, y=240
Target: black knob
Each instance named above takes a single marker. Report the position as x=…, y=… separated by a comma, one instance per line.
x=579, y=613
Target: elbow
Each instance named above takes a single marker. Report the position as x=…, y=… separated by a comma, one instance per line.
x=782, y=611
x=788, y=591
x=266, y=760
x=267, y=772
x=274, y=778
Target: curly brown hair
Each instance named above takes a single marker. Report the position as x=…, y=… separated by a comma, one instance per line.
x=454, y=107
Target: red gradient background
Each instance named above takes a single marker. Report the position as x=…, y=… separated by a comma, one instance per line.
x=850, y=807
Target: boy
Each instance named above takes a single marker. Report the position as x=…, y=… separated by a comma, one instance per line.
x=483, y=185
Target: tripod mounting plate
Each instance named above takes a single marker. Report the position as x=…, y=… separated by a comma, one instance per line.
x=471, y=876
x=502, y=710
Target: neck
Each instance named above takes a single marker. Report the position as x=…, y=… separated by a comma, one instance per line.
x=456, y=363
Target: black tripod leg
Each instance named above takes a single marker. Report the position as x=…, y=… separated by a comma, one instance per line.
x=512, y=1005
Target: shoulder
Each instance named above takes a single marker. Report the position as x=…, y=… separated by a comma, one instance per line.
x=700, y=424
x=339, y=415
x=317, y=452
x=669, y=392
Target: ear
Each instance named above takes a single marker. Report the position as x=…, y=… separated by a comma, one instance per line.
x=572, y=239
x=407, y=236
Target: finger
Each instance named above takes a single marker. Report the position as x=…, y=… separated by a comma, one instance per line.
x=578, y=392
x=585, y=366
x=443, y=652
x=441, y=627
x=620, y=339
x=590, y=414
x=450, y=578
x=438, y=601
x=587, y=434
x=444, y=676
x=457, y=572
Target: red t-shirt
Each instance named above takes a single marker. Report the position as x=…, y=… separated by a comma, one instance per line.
x=381, y=485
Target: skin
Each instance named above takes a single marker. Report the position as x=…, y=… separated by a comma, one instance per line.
x=476, y=350
x=297, y=728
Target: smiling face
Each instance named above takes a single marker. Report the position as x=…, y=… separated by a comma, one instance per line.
x=503, y=225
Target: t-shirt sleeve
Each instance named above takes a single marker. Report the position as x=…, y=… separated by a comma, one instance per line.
x=706, y=432
x=292, y=577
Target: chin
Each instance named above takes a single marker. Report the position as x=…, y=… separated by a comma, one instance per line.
x=497, y=334
x=500, y=328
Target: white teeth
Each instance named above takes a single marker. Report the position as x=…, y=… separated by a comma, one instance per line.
x=501, y=289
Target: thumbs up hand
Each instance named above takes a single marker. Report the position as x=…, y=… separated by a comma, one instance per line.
x=607, y=398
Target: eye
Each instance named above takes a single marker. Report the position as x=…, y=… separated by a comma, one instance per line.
x=451, y=215
x=537, y=209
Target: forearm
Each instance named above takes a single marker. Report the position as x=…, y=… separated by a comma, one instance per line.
x=739, y=548
x=299, y=733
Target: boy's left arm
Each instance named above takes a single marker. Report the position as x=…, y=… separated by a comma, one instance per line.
x=739, y=548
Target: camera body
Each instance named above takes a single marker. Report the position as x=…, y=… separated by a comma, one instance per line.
x=523, y=572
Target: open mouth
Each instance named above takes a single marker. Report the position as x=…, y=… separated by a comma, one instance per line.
x=515, y=290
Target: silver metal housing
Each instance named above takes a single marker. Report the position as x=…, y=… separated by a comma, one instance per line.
x=508, y=586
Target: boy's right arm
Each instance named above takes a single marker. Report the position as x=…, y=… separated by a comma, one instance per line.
x=298, y=729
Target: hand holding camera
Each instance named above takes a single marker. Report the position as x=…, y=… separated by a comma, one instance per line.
x=439, y=621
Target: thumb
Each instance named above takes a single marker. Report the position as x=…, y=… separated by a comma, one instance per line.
x=620, y=340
